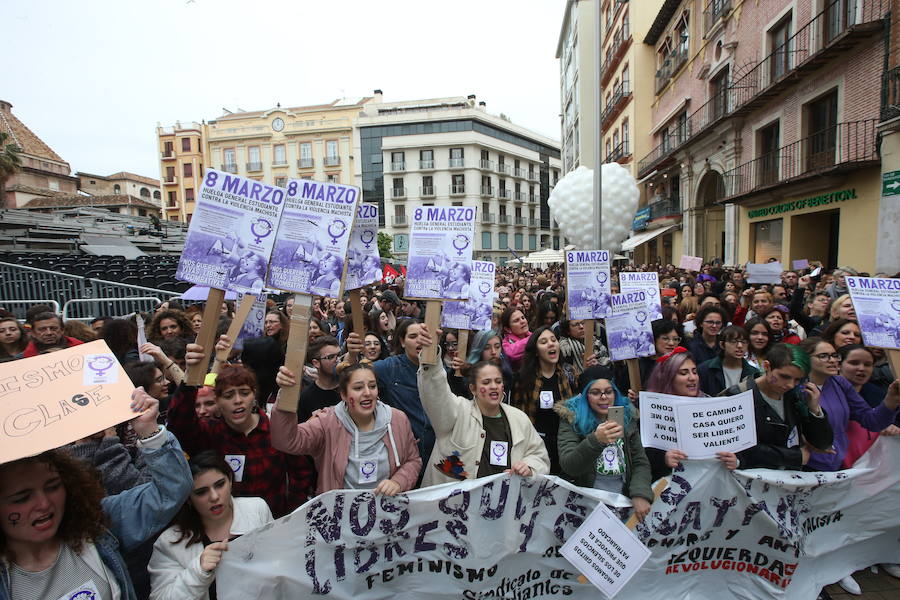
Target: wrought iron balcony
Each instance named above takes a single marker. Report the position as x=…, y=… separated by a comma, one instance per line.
x=254, y=166
x=665, y=207
x=841, y=147
x=426, y=191
x=616, y=102
x=332, y=161
x=619, y=152
x=715, y=10
x=229, y=168
x=305, y=163
x=890, y=94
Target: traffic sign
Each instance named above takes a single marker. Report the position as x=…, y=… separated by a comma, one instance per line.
x=890, y=183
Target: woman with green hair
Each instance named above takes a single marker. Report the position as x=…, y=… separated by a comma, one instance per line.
x=790, y=423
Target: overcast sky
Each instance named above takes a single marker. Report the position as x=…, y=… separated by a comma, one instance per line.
x=93, y=78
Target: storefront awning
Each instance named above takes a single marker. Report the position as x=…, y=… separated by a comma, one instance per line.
x=643, y=237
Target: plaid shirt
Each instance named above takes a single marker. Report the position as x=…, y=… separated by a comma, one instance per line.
x=284, y=481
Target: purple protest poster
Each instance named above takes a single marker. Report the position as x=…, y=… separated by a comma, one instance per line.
x=628, y=328
x=363, y=261
x=475, y=313
x=253, y=326
x=440, y=251
x=588, y=289
x=877, y=304
x=647, y=282
x=311, y=243
x=231, y=234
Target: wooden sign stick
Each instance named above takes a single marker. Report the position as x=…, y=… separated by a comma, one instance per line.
x=433, y=322
x=462, y=346
x=295, y=357
x=237, y=323
x=588, y=340
x=634, y=374
x=893, y=357
x=356, y=314
x=206, y=338
x=660, y=487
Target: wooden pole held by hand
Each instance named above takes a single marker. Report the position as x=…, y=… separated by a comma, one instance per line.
x=295, y=357
x=893, y=357
x=462, y=347
x=588, y=340
x=433, y=322
x=237, y=323
x=197, y=373
x=634, y=374
x=359, y=327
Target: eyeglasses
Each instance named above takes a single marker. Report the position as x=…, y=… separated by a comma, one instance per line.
x=828, y=356
x=737, y=342
x=671, y=340
x=713, y=323
x=329, y=356
x=601, y=393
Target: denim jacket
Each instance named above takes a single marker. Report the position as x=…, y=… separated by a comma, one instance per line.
x=137, y=514
x=398, y=388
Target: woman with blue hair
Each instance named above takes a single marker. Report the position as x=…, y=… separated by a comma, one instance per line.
x=599, y=453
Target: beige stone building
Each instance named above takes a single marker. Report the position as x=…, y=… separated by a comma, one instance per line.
x=121, y=183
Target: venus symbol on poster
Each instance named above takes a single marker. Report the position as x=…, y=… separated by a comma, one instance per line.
x=877, y=304
x=363, y=260
x=440, y=253
x=589, y=288
x=647, y=282
x=628, y=328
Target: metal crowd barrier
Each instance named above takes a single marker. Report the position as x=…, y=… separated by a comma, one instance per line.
x=20, y=307
x=87, y=309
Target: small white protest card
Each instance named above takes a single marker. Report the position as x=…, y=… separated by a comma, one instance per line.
x=100, y=368
x=546, y=399
x=658, y=427
x=368, y=471
x=605, y=551
x=499, y=454
x=721, y=424
x=764, y=272
x=236, y=462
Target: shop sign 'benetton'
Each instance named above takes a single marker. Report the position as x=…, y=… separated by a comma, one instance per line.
x=811, y=202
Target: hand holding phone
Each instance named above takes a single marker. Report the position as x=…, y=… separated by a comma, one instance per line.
x=617, y=415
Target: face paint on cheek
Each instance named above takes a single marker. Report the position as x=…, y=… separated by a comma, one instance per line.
x=483, y=390
x=14, y=518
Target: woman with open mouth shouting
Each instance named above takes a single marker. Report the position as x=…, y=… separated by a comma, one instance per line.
x=480, y=437
x=185, y=556
x=61, y=536
x=360, y=444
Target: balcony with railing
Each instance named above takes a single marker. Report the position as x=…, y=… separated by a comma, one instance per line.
x=620, y=42
x=398, y=167
x=305, y=163
x=332, y=161
x=534, y=175
x=616, y=103
x=168, y=154
x=619, y=153
x=487, y=218
x=457, y=163
x=890, y=94
x=487, y=191
x=399, y=221
x=843, y=147
x=532, y=199
x=253, y=167
x=520, y=196
x=671, y=66
x=534, y=222
x=835, y=30
x=662, y=206
x=716, y=10
x=519, y=221
x=503, y=219
x=457, y=189
x=173, y=179
x=398, y=192
x=519, y=173
x=503, y=169
x=426, y=191
x=229, y=168
x=503, y=194
x=426, y=165
x=486, y=165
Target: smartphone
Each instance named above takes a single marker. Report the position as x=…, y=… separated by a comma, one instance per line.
x=801, y=388
x=617, y=415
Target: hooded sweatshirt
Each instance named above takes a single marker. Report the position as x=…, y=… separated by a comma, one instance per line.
x=368, y=462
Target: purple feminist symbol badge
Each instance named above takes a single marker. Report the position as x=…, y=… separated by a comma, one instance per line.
x=261, y=228
x=366, y=237
x=484, y=287
x=499, y=450
x=367, y=468
x=336, y=229
x=460, y=242
x=602, y=277
x=100, y=365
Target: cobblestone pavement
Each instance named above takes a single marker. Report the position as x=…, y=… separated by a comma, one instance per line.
x=880, y=586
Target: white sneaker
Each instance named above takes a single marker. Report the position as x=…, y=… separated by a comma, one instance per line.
x=849, y=585
x=892, y=569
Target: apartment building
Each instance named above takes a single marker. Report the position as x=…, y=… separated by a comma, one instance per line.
x=273, y=145
x=452, y=152
x=765, y=123
x=121, y=183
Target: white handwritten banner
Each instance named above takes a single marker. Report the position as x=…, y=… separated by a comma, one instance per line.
x=658, y=426
x=231, y=234
x=440, y=253
x=764, y=272
x=311, y=243
x=588, y=286
x=877, y=304
x=750, y=535
x=711, y=425
x=363, y=260
x=648, y=283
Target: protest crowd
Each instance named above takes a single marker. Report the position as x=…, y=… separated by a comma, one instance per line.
x=125, y=511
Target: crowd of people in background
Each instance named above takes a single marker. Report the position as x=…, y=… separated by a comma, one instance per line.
x=525, y=397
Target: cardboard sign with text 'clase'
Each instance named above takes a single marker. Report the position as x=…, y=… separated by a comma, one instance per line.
x=53, y=399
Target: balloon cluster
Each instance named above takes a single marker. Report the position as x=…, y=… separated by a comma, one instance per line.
x=572, y=206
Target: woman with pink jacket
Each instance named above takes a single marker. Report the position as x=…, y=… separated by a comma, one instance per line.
x=361, y=443
x=515, y=335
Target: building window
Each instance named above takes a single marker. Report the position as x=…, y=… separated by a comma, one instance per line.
x=173, y=202
x=185, y=144
x=719, y=93
x=426, y=159
x=532, y=241
x=145, y=193
x=486, y=240
x=503, y=239
x=156, y=195
x=821, y=115
x=142, y=212
x=767, y=240
x=519, y=241
x=458, y=184
x=767, y=154
x=253, y=154
x=332, y=157
x=398, y=161
x=334, y=178
x=625, y=136
x=305, y=151
x=230, y=161
x=281, y=181
x=170, y=149
x=457, y=158
x=780, y=57
x=53, y=184
x=556, y=242
x=188, y=169
x=280, y=156
x=117, y=189
x=189, y=195
x=486, y=185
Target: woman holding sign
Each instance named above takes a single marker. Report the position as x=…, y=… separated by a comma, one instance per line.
x=62, y=537
x=480, y=437
x=360, y=444
x=600, y=452
x=185, y=556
